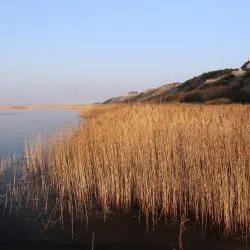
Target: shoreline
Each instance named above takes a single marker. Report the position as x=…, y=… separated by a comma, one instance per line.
x=46, y=106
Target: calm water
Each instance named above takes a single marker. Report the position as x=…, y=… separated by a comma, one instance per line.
x=16, y=126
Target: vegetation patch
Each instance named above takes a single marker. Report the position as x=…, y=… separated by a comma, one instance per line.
x=167, y=161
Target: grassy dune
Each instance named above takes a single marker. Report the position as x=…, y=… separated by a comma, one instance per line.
x=181, y=161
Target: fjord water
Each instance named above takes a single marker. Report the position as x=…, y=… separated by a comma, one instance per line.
x=17, y=126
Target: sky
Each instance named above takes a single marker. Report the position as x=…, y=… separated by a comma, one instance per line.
x=84, y=51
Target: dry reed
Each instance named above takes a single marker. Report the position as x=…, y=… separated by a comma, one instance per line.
x=182, y=161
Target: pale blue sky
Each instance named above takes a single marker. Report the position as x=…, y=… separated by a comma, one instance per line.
x=76, y=51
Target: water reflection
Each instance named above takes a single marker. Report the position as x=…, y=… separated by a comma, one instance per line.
x=6, y=113
x=19, y=125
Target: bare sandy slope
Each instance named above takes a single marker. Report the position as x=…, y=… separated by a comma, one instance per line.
x=214, y=87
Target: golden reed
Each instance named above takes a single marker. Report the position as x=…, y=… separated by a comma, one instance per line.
x=169, y=160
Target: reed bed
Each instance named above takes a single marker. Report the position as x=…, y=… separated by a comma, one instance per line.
x=170, y=161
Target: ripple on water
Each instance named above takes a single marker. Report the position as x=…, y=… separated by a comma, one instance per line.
x=7, y=113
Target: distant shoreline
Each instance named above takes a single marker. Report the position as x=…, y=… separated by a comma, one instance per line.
x=45, y=106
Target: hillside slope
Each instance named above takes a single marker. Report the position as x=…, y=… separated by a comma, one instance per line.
x=145, y=95
x=227, y=85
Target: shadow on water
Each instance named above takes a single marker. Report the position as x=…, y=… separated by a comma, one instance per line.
x=24, y=230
